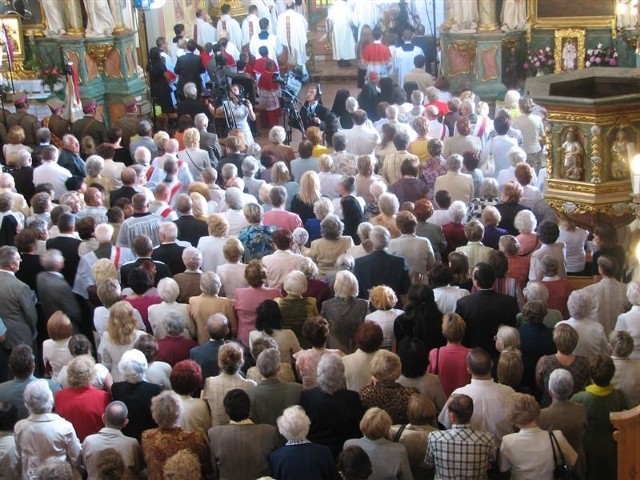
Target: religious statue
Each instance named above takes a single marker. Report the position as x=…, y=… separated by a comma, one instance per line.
x=99, y=18
x=572, y=156
x=514, y=15
x=569, y=55
x=620, y=150
x=464, y=15
x=54, y=14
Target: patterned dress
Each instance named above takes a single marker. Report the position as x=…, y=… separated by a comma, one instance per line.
x=257, y=241
x=158, y=445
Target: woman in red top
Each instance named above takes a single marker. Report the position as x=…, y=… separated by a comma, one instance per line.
x=450, y=362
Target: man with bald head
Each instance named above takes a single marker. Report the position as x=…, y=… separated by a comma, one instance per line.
x=116, y=417
x=143, y=222
x=70, y=156
x=170, y=251
x=94, y=206
x=206, y=355
x=128, y=190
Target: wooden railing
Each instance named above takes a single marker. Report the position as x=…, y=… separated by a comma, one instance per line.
x=627, y=435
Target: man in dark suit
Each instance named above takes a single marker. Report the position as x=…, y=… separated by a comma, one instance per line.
x=208, y=141
x=241, y=449
x=382, y=268
x=88, y=125
x=206, y=355
x=190, y=105
x=190, y=229
x=70, y=156
x=17, y=307
x=428, y=47
x=128, y=177
x=68, y=245
x=143, y=248
x=313, y=113
x=234, y=156
x=271, y=396
x=169, y=252
x=485, y=311
x=189, y=67
x=54, y=292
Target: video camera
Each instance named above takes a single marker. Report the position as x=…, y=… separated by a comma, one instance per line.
x=291, y=85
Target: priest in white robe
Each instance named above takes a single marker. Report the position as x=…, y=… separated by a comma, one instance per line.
x=231, y=26
x=250, y=25
x=100, y=22
x=403, y=57
x=266, y=39
x=339, y=23
x=267, y=9
x=292, y=33
x=365, y=12
x=203, y=31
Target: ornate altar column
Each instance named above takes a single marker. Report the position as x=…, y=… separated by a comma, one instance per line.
x=73, y=11
x=448, y=20
x=487, y=11
x=118, y=17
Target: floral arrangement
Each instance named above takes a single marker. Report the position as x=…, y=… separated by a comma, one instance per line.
x=601, y=57
x=540, y=60
x=49, y=76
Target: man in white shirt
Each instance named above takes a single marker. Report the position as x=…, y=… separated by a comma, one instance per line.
x=282, y=261
x=230, y=25
x=267, y=9
x=445, y=295
x=265, y=39
x=489, y=398
x=50, y=172
x=392, y=113
x=435, y=129
x=404, y=56
x=362, y=139
x=203, y=31
x=250, y=25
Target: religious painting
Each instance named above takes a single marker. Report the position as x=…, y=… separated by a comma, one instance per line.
x=30, y=11
x=569, y=50
x=12, y=28
x=586, y=13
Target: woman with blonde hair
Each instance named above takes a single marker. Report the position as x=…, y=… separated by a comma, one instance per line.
x=55, y=350
x=383, y=299
x=192, y=155
x=281, y=176
x=119, y=337
x=303, y=201
x=15, y=139
x=450, y=362
x=199, y=205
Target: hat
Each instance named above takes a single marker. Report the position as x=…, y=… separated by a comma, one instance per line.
x=130, y=103
x=55, y=104
x=20, y=100
x=88, y=105
x=373, y=76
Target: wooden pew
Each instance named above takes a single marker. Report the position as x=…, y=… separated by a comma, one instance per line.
x=627, y=436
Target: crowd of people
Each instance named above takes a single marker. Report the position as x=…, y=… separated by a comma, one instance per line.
x=393, y=299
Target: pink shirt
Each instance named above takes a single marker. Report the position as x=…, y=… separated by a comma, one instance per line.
x=282, y=219
x=246, y=302
x=450, y=366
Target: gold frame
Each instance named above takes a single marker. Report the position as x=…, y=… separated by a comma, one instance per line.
x=560, y=36
x=37, y=29
x=14, y=28
x=573, y=21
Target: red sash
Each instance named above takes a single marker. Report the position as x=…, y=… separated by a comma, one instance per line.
x=167, y=211
x=149, y=173
x=116, y=261
x=482, y=127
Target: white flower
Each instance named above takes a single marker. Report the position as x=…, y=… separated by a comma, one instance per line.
x=587, y=64
x=599, y=45
x=589, y=52
x=615, y=54
x=548, y=49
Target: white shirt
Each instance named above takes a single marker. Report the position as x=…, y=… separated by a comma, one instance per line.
x=211, y=249
x=205, y=31
x=386, y=320
x=233, y=29
x=630, y=322
x=446, y=297
x=361, y=139
x=237, y=221
x=489, y=407
x=591, y=337
x=51, y=172
x=574, y=241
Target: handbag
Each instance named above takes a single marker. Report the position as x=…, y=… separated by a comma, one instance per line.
x=562, y=471
x=488, y=168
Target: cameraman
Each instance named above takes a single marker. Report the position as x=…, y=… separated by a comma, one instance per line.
x=313, y=113
x=242, y=110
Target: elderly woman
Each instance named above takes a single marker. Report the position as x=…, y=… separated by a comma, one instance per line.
x=388, y=459
x=504, y=284
x=459, y=267
x=627, y=370
x=208, y=303
x=141, y=283
x=325, y=250
x=211, y=246
x=420, y=146
x=294, y=307
x=630, y=321
x=177, y=342
x=283, y=371
x=345, y=312
x=189, y=280
x=232, y=273
x=364, y=244
x=79, y=345
x=109, y=293
x=192, y=155
x=423, y=210
x=385, y=392
x=575, y=240
x=565, y=339
x=592, y=339
x=422, y=414
x=168, y=290
x=416, y=250
x=94, y=166
x=354, y=464
x=531, y=453
x=250, y=167
x=81, y=403
x=334, y=411
x=600, y=399
x=269, y=325
x=559, y=288
x=119, y=337
x=389, y=206
x=55, y=350
x=376, y=189
x=515, y=156
x=489, y=197
x=44, y=435
x=537, y=291
x=280, y=176
x=234, y=199
x=536, y=339
x=490, y=218
x=518, y=267
x=160, y=444
x=548, y=232
x=257, y=239
x=413, y=356
x=450, y=362
x=531, y=194
x=510, y=206
x=200, y=205
x=526, y=223
x=316, y=332
x=454, y=231
x=157, y=371
x=15, y=139
x=532, y=129
x=384, y=299
x=186, y=381
x=230, y=361
x=475, y=250
x=300, y=458
x=328, y=179
x=605, y=242
x=365, y=178
x=135, y=392
x=433, y=167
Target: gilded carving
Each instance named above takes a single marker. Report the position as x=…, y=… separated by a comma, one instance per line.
x=20, y=73
x=548, y=149
x=589, y=118
x=592, y=189
x=571, y=152
x=564, y=40
x=596, y=157
x=573, y=208
x=99, y=52
x=460, y=58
